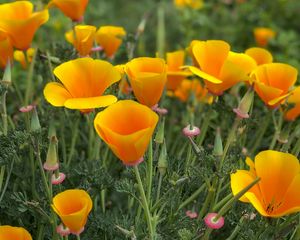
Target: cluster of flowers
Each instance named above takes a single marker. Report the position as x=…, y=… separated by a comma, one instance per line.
x=85, y=81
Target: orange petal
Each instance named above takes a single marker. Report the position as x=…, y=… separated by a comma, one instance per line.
x=263, y=35
x=267, y=93
x=295, y=95
x=20, y=57
x=260, y=55
x=175, y=60
x=129, y=136
x=73, y=9
x=293, y=113
x=276, y=170
x=210, y=55
x=90, y=102
x=6, y=50
x=110, y=38
x=14, y=233
x=243, y=61
x=56, y=94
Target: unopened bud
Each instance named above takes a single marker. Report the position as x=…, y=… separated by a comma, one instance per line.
x=245, y=104
x=218, y=146
x=51, y=163
x=35, y=122
x=6, y=80
x=159, y=138
x=162, y=161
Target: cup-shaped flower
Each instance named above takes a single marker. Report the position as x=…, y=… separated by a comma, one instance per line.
x=73, y=207
x=84, y=81
x=147, y=77
x=174, y=74
x=6, y=50
x=129, y=135
x=260, y=55
x=278, y=192
x=294, y=112
x=14, y=233
x=218, y=66
x=20, y=22
x=193, y=87
x=83, y=38
x=73, y=9
x=263, y=35
x=110, y=39
x=273, y=81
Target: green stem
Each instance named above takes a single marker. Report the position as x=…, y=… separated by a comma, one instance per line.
x=204, y=128
x=103, y=191
x=7, y=179
x=208, y=201
x=73, y=142
x=149, y=171
x=78, y=237
x=144, y=202
x=161, y=31
x=4, y=113
x=277, y=127
x=236, y=229
x=222, y=202
x=296, y=148
x=158, y=188
x=29, y=81
x=188, y=158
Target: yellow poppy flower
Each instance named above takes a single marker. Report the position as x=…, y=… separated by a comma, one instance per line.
x=110, y=39
x=147, y=77
x=263, y=35
x=14, y=233
x=73, y=9
x=278, y=192
x=174, y=74
x=294, y=98
x=20, y=57
x=127, y=136
x=219, y=67
x=195, y=4
x=83, y=40
x=273, y=81
x=73, y=207
x=20, y=23
x=6, y=50
x=84, y=81
x=188, y=87
x=260, y=55
x=190, y=51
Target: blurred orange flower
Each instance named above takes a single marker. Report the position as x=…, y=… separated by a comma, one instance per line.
x=272, y=82
x=174, y=74
x=263, y=35
x=147, y=77
x=260, y=55
x=20, y=57
x=73, y=207
x=6, y=50
x=110, y=38
x=14, y=233
x=278, y=192
x=73, y=9
x=127, y=136
x=195, y=4
x=83, y=40
x=84, y=81
x=219, y=67
x=20, y=23
x=294, y=112
x=188, y=87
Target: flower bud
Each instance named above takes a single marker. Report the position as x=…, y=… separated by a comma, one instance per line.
x=51, y=163
x=162, y=161
x=218, y=146
x=159, y=138
x=6, y=80
x=35, y=122
x=245, y=104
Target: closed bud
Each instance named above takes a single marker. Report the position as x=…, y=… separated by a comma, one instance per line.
x=51, y=163
x=6, y=80
x=35, y=122
x=245, y=104
x=218, y=146
x=159, y=138
x=162, y=161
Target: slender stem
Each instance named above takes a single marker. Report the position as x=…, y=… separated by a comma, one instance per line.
x=296, y=148
x=236, y=229
x=144, y=202
x=188, y=158
x=78, y=237
x=149, y=171
x=161, y=30
x=103, y=200
x=7, y=179
x=277, y=129
x=204, y=128
x=159, y=188
x=4, y=114
x=29, y=81
x=208, y=201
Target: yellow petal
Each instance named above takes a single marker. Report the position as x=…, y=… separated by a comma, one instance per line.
x=211, y=55
x=267, y=93
x=260, y=55
x=175, y=60
x=20, y=57
x=243, y=61
x=204, y=75
x=90, y=102
x=276, y=170
x=56, y=94
x=295, y=95
x=14, y=233
x=6, y=50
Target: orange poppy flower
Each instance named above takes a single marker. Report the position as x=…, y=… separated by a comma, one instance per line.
x=83, y=40
x=127, y=136
x=110, y=39
x=84, y=81
x=294, y=112
x=73, y=207
x=73, y=9
x=190, y=51
x=273, y=81
x=260, y=55
x=14, y=233
x=263, y=35
x=20, y=23
x=278, y=192
x=174, y=74
x=219, y=67
x=147, y=77
x=20, y=57
x=6, y=50
x=195, y=4
x=188, y=87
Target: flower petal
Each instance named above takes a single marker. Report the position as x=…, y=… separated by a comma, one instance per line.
x=90, y=102
x=56, y=94
x=260, y=55
x=204, y=75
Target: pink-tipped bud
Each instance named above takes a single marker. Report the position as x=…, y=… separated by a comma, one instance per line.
x=62, y=230
x=161, y=111
x=25, y=109
x=245, y=104
x=97, y=49
x=51, y=163
x=191, y=214
x=212, y=222
x=189, y=131
x=135, y=163
x=55, y=180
